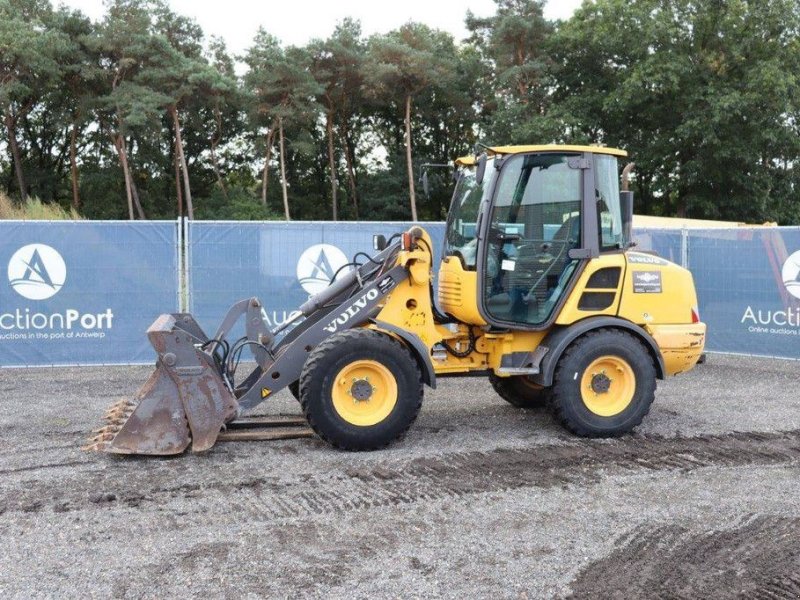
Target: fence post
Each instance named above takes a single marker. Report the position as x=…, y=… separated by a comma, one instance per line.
x=179, y=263
x=187, y=303
x=685, y=248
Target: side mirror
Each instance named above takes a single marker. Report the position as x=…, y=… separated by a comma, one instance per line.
x=481, y=169
x=426, y=187
x=379, y=243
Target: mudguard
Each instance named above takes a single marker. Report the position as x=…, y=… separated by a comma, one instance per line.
x=560, y=338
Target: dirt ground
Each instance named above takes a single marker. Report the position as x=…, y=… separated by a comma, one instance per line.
x=479, y=500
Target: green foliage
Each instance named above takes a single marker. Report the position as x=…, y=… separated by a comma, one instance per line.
x=240, y=204
x=703, y=94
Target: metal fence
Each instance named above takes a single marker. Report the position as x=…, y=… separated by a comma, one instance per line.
x=748, y=285
x=85, y=292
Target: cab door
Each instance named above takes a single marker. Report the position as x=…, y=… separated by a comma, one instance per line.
x=533, y=237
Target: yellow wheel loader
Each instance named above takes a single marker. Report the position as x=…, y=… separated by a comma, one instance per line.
x=539, y=288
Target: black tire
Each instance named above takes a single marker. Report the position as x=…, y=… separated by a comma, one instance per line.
x=567, y=396
x=324, y=364
x=520, y=391
x=294, y=389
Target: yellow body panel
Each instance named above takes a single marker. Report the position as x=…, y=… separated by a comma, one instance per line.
x=670, y=306
x=458, y=292
x=498, y=345
x=570, y=313
x=681, y=345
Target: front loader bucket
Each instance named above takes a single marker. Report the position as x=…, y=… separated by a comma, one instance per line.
x=185, y=400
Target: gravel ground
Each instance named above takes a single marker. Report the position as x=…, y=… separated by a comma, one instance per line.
x=480, y=499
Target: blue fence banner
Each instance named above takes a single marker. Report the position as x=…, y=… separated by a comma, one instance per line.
x=84, y=292
x=280, y=263
x=748, y=285
x=667, y=243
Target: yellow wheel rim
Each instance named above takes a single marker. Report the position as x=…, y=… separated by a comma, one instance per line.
x=364, y=393
x=608, y=385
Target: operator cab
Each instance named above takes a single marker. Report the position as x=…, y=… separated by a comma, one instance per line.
x=524, y=220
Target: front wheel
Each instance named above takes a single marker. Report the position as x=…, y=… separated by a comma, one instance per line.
x=604, y=384
x=360, y=389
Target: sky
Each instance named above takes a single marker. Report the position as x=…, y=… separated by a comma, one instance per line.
x=295, y=22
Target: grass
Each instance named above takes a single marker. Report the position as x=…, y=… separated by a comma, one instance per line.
x=34, y=209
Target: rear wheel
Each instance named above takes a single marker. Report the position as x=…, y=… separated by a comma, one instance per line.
x=519, y=391
x=604, y=384
x=360, y=389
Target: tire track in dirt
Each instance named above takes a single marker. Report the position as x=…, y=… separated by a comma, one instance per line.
x=758, y=557
x=380, y=484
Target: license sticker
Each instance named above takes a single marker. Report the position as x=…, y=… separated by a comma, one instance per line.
x=509, y=265
x=646, y=282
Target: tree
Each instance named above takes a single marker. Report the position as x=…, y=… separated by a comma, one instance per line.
x=176, y=68
x=78, y=77
x=703, y=93
x=336, y=64
x=222, y=93
x=283, y=90
x=402, y=64
x=124, y=43
x=27, y=67
x=514, y=44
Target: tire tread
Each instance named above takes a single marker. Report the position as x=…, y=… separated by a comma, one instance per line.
x=570, y=355
x=332, y=344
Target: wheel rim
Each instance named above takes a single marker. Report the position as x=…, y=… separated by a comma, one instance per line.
x=608, y=386
x=364, y=392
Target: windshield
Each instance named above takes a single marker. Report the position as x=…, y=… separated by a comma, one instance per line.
x=461, y=236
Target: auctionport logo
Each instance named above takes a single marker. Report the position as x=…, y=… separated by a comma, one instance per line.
x=782, y=322
x=37, y=272
x=317, y=266
x=791, y=274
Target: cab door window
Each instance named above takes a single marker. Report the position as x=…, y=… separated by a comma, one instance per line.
x=535, y=223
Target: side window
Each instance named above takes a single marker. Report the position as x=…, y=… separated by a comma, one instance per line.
x=461, y=236
x=608, y=205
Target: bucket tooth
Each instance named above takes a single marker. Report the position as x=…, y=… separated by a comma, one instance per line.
x=102, y=437
x=117, y=415
x=121, y=407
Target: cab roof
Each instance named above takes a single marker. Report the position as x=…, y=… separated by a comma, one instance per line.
x=466, y=161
